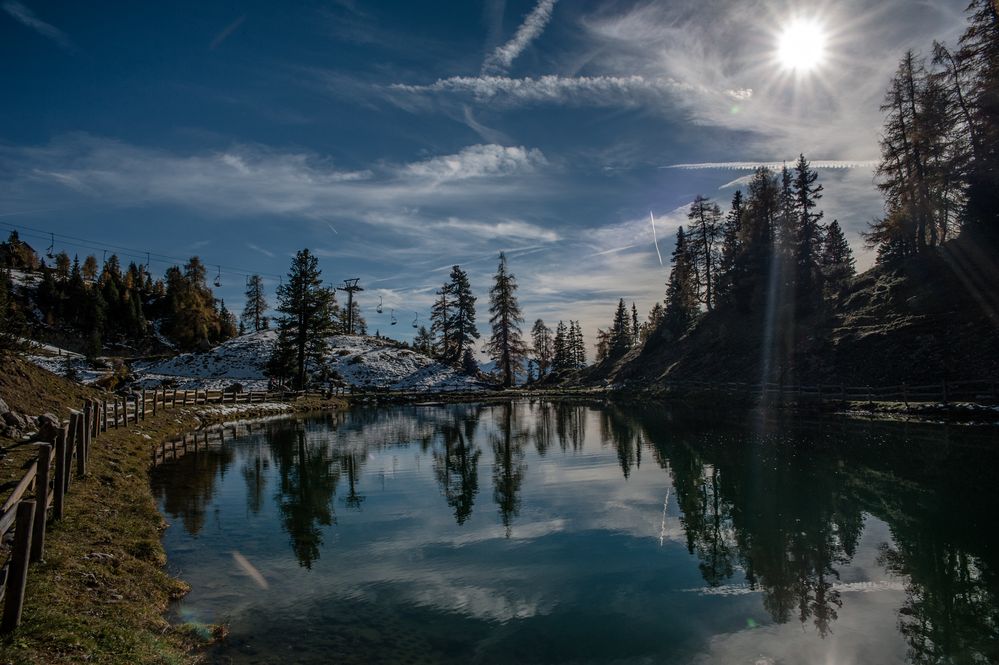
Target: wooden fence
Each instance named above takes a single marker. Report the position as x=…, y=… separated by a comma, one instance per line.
x=983, y=390
x=39, y=497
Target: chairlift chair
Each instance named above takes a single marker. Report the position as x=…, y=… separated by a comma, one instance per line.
x=416, y=320
x=218, y=277
x=51, y=250
x=379, y=308
x=394, y=320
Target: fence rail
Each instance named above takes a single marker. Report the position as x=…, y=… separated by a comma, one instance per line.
x=39, y=497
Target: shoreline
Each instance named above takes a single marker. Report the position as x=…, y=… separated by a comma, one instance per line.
x=103, y=593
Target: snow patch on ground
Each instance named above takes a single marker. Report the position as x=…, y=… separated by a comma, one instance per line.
x=364, y=362
x=55, y=360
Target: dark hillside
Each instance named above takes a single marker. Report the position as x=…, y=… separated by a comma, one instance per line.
x=931, y=317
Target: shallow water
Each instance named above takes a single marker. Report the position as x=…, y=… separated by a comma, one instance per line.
x=566, y=532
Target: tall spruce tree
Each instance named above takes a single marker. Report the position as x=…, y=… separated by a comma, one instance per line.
x=541, y=337
x=730, y=246
x=620, y=331
x=636, y=326
x=807, y=193
x=837, y=260
x=578, y=345
x=560, y=348
x=463, y=326
x=979, y=56
x=255, y=312
x=655, y=320
x=704, y=235
x=506, y=345
x=305, y=323
x=681, y=291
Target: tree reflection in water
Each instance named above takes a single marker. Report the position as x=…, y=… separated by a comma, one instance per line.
x=780, y=505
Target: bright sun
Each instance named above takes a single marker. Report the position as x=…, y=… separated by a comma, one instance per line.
x=801, y=46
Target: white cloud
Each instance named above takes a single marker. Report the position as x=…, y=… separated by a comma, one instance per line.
x=550, y=89
x=510, y=228
x=534, y=24
x=25, y=16
x=752, y=166
x=478, y=161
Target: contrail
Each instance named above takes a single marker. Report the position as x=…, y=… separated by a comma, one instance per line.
x=332, y=229
x=654, y=239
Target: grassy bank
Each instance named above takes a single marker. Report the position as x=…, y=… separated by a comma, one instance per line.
x=101, y=592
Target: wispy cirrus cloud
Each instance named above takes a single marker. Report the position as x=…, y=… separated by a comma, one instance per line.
x=500, y=60
x=28, y=18
x=478, y=161
x=550, y=89
x=752, y=166
x=458, y=193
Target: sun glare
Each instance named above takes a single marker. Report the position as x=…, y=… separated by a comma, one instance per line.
x=801, y=46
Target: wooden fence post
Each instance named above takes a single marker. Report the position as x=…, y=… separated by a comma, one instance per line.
x=60, y=473
x=184, y=403
x=87, y=415
x=14, y=598
x=42, y=501
x=156, y=394
x=104, y=415
x=116, y=413
x=70, y=447
x=81, y=446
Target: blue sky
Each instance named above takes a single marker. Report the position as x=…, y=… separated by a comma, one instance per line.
x=398, y=138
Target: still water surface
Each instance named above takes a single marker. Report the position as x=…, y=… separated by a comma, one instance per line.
x=568, y=532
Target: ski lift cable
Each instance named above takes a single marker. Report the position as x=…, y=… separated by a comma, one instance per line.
x=130, y=252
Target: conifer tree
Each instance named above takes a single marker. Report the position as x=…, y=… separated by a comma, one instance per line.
x=655, y=320
x=12, y=325
x=730, y=245
x=578, y=345
x=620, y=331
x=541, y=336
x=603, y=345
x=442, y=321
x=837, y=260
x=463, y=328
x=681, y=291
x=979, y=56
x=704, y=234
x=305, y=323
x=423, y=341
x=90, y=268
x=255, y=311
x=808, y=276
x=506, y=345
x=468, y=363
x=636, y=326
x=560, y=348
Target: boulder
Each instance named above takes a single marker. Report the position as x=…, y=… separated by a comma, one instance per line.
x=48, y=427
x=15, y=419
x=11, y=433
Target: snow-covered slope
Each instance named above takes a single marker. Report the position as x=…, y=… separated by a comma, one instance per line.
x=360, y=361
